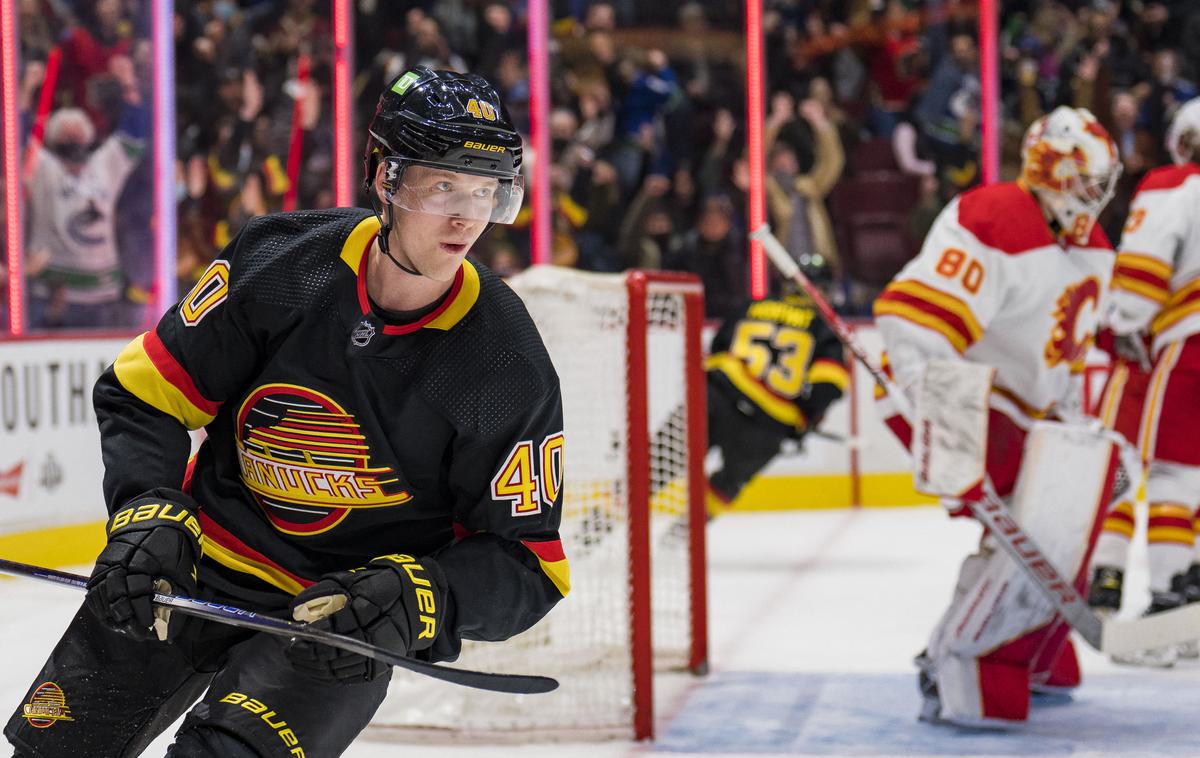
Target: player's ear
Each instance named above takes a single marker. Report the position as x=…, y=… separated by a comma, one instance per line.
x=379, y=185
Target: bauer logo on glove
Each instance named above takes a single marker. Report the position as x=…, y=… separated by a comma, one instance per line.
x=395, y=602
x=153, y=546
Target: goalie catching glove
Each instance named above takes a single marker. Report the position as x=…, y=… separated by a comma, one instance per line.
x=153, y=546
x=395, y=602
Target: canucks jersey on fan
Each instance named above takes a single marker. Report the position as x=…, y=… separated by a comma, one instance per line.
x=359, y=439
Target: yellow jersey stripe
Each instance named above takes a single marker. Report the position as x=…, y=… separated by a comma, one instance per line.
x=463, y=301
x=268, y=574
x=137, y=373
x=1147, y=263
x=1172, y=534
x=355, y=246
x=559, y=573
x=1138, y=287
x=942, y=300
x=922, y=318
x=776, y=407
x=829, y=372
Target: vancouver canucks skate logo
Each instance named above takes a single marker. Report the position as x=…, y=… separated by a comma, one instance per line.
x=362, y=333
x=46, y=707
x=307, y=461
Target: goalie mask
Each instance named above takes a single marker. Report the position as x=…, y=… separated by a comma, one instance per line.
x=1070, y=164
x=1183, y=138
x=455, y=127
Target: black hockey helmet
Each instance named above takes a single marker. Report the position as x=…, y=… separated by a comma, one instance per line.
x=817, y=269
x=449, y=121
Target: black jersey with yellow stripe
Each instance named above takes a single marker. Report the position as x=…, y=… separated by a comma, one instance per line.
x=780, y=355
x=334, y=437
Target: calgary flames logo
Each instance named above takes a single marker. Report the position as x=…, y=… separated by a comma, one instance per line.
x=307, y=462
x=1042, y=166
x=1065, y=343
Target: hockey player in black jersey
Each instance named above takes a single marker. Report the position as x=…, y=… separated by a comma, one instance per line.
x=383, y=458
x=773, y=370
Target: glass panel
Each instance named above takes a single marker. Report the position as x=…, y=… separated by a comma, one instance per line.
x=86, y=104
x=255, y=119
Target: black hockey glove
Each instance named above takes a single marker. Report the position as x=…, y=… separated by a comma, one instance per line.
x=153, y=545
x=396, y=602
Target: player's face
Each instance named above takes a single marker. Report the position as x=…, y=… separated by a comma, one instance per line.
x=433, y=236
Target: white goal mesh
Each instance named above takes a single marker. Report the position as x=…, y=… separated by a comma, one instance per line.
x=593, y=325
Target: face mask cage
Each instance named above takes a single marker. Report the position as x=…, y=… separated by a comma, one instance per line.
x=1083, y=196
x=447, y=190
x=1095, y=190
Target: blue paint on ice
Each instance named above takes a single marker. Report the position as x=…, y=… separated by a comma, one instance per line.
x=1139, y=714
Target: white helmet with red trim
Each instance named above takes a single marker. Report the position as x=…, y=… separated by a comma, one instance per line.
x=1183, y=138
x=1071, y=165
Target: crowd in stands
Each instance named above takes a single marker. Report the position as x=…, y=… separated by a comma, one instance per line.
x=872, y=115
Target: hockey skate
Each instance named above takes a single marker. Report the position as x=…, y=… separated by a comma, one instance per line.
x=931, y=702
x=1191, y=594
x=1161, y=657
x=1057, y=685
x=1104, y=596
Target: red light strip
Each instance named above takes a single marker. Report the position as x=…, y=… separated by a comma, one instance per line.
x=539, y=126
x=989, y=78
x=296, y=142
x=343, y=159
x=12, y=165
x=754, y=127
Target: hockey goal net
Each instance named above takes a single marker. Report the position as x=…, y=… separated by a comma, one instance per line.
x=628, y=354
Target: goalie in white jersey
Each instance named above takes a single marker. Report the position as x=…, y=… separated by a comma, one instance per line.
x=1155, y=319
x=1011, y=276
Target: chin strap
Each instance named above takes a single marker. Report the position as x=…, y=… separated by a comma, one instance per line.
x=385, y=231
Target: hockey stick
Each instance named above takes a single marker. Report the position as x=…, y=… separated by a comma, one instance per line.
x=1108, y=636
x=517, y=684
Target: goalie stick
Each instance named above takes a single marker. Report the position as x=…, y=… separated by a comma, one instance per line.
x=1106, y=635
x=517, y=684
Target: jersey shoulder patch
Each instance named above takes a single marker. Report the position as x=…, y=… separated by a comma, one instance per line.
x=1167, y=177
x=1004, y=217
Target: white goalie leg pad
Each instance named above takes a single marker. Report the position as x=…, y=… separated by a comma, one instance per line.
x=1059, y=500
x=950, y=429
x=1061, y=492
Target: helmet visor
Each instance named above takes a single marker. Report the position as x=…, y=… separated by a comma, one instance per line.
x=445, y=192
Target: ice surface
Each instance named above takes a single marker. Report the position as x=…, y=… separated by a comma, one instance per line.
x=815, y=617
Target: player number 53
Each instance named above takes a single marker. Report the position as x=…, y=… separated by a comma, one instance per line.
x=774, y=354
